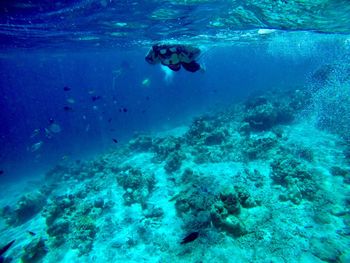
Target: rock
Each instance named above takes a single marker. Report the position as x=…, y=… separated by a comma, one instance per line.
x=173, y=162
x=233, y=226
x=228, y=223
x=214, y=138
x=137, y=185
x=245, y=129
x=230, y=200
x=34, y=251
x=141, y=143
x=164, y=147
x=57, y=232
x=261, y=117
x=338, y=171
x=325, y=249
x=27, y=207
x=154, y=212
x=99, y=203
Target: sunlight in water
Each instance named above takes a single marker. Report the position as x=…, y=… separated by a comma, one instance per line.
x=168, y=74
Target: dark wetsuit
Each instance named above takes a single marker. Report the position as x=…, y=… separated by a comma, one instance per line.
x=174, y=56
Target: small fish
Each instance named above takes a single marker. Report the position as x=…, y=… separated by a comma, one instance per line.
x=55, y=128
x=2, y=172
x=31, y=233
x=115, y=140
x=109, y=120
x=146, y=82
x=91, y=92
x=36, y=146
x=66, y=88
x=191, y=237
x=35, y=133
x=65, y=157
x=67, y=108
x=48, y=133
x=5, y=248
x=70, y=100
x=95, y=98
x=123, y=110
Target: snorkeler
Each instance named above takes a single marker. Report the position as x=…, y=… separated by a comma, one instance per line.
x=175, y=56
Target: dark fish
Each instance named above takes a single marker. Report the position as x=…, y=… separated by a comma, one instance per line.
x=51, y=120
x=2, y=172
x=95, y=98
x=5, y=248
x=31, y=233
x=67, y=108
x=66, y=88
x=123, y=110
x=115, y=140
x=109, y=120
x=191, y=237
x=147, y=98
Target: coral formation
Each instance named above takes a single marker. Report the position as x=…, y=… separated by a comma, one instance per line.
x=67, y=218
x=241, y=178
x=137, y=185
x=173, y=162
x=141, y=143
x=296, y=177
x=34, y=251
x=27, y=206
x=225, y=212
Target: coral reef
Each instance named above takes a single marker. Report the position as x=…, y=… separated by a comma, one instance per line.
x=141, y=143
x=35, y=251
x=137, y=185
x=27, y=206
x=258, y=147
x=263, y=114
x=163, y=147
x=227, y=208
x=296, y=177
x=85, y=230
x=173, y=162
x=67, y=218
x=242, y=178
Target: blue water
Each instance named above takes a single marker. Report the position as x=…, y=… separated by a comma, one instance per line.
x=33, y=93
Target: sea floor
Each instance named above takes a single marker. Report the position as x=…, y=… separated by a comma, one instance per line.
x=257, y=186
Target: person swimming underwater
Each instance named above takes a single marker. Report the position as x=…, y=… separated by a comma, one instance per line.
x=174, y=56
